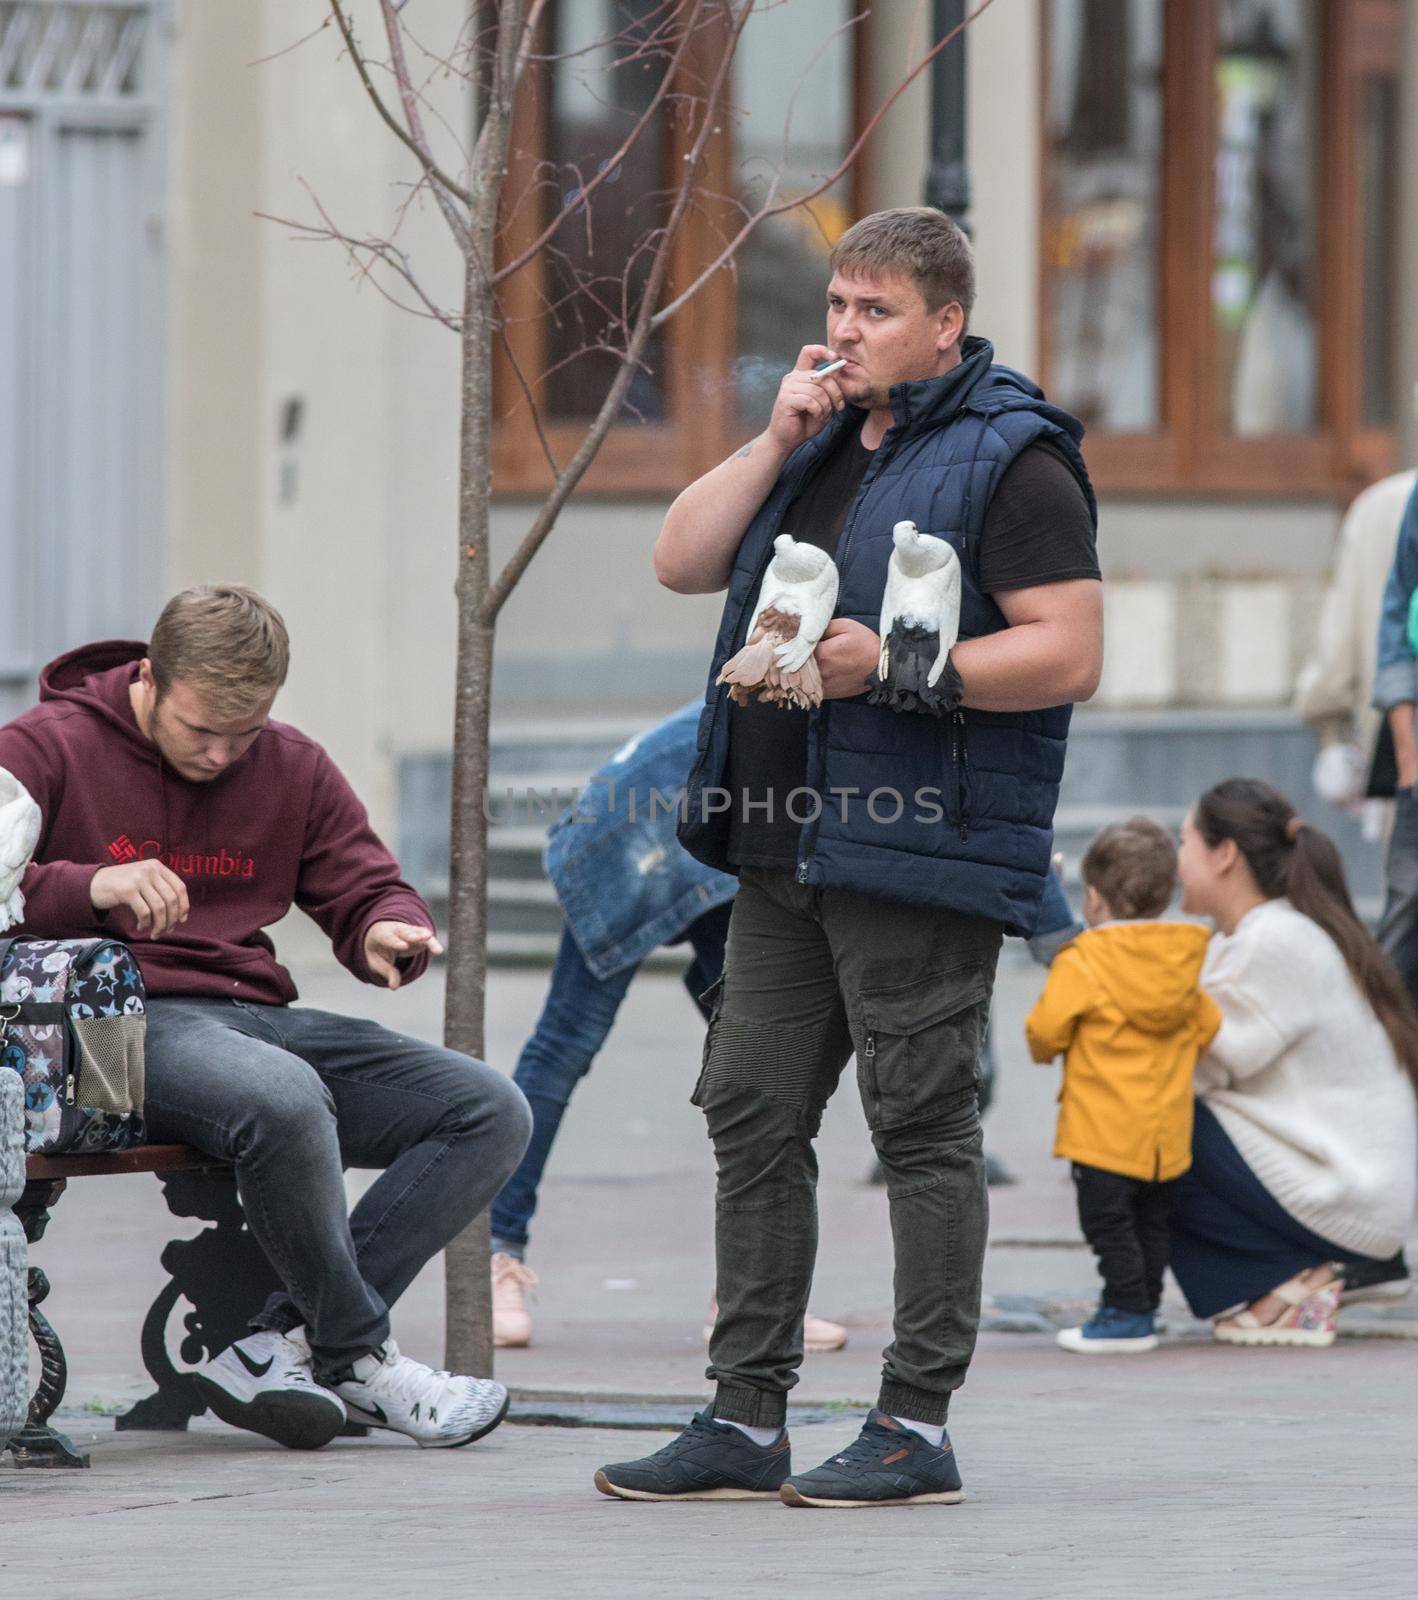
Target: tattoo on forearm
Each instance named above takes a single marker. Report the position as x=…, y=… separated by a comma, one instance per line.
x=740, y=454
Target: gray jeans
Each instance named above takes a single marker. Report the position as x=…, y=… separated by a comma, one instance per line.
x=812, y=976
x=291, y=1097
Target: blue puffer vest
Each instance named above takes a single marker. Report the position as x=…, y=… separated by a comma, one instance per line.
x=977, y=794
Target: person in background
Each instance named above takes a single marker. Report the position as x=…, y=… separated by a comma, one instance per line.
x=1335, y=688
x=1304, y=1145
x=1124, y=1007
x=1395, y=691
x=626, y=886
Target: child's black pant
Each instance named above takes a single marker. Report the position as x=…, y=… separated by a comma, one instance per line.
x=1125, y=1222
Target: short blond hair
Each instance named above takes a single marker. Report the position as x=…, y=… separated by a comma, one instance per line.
x=1133, y=865
x=226, y=642
x=916, y=242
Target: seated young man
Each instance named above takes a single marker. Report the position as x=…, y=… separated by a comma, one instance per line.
x=178, y=817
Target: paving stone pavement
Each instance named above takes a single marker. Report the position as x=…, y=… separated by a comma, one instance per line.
x=1248, y=1474
x=1253, y=1473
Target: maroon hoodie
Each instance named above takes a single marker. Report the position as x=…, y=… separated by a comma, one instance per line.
x=280, y=827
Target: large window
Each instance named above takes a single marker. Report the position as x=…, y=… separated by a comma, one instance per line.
x=597, y=98
x=1218, y=239
x=791, y=135
x=713, y=369
x=1104, y=112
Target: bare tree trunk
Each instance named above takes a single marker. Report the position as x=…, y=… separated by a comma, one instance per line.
x=468, y=1293
x=468, y=1290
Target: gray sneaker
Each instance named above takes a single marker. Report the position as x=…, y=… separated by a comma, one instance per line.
x=710, y=1460
x=886, y=1465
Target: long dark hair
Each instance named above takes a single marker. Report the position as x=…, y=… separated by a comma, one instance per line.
x=1291, y=858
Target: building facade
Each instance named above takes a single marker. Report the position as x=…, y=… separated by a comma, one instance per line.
x=1187, y=221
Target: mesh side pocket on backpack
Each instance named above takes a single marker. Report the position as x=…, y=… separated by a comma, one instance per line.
x=110, y=1062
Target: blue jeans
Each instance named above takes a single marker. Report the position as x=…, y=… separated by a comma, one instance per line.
x=575, y=1020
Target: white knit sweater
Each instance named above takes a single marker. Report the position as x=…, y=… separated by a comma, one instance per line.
x=1303, y=1079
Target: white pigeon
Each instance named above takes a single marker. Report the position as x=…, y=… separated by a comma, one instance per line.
x=795, y=604
x=19, y=833
x=920, y=621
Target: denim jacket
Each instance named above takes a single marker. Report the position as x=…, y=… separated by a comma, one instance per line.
x=1057, y=925
x=1396, y=678
x=624, y=881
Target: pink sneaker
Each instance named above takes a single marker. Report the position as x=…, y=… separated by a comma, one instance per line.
x=818, y=1333
x=512, y=1280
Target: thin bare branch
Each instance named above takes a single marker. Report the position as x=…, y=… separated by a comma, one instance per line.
x=377, y=100
x=585, y=191
x=806, y=73
x=286, y=49
x=774, y=210
x=408, y=97
x=586, y=451
x=533, y=409
x=643, y=35
x=457, y=135
x=379, y=249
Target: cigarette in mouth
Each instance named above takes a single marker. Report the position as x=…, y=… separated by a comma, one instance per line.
x=824, y=367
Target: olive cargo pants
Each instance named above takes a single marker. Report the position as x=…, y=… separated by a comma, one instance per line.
x=811, y=977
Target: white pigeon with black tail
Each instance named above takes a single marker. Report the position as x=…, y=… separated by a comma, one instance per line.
x=795, y=604
x=920, y=622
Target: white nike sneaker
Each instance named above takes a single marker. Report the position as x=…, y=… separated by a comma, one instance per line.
x=264, y=1383
x=437, y=1410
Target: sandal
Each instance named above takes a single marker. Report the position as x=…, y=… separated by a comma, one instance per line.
x=1307, y=1317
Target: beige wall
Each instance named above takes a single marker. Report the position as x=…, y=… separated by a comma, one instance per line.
x=214, y=374
x=895, y=158
x=349, y=528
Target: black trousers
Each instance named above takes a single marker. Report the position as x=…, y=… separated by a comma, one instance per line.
x=1125, y=1222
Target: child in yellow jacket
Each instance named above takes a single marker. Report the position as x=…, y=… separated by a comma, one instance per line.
x=1125, y=1008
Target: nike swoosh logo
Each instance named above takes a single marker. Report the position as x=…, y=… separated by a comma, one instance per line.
x=257, y=1369
x=373, y=1412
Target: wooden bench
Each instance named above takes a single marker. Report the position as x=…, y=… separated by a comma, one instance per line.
x=220, y=1272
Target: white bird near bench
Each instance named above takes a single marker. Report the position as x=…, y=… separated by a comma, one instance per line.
x=795, y=604
x=19, y=833
x=920, y=621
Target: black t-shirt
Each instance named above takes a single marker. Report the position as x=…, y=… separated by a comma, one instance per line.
x=1037, y=530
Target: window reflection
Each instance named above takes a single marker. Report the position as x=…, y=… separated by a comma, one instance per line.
x=599, y=92
x=1104, y=121
x=1378, y=197
x=1263, y=261
x=792, y=71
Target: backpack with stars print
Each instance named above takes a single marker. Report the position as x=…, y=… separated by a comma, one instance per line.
x=72, y=1021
